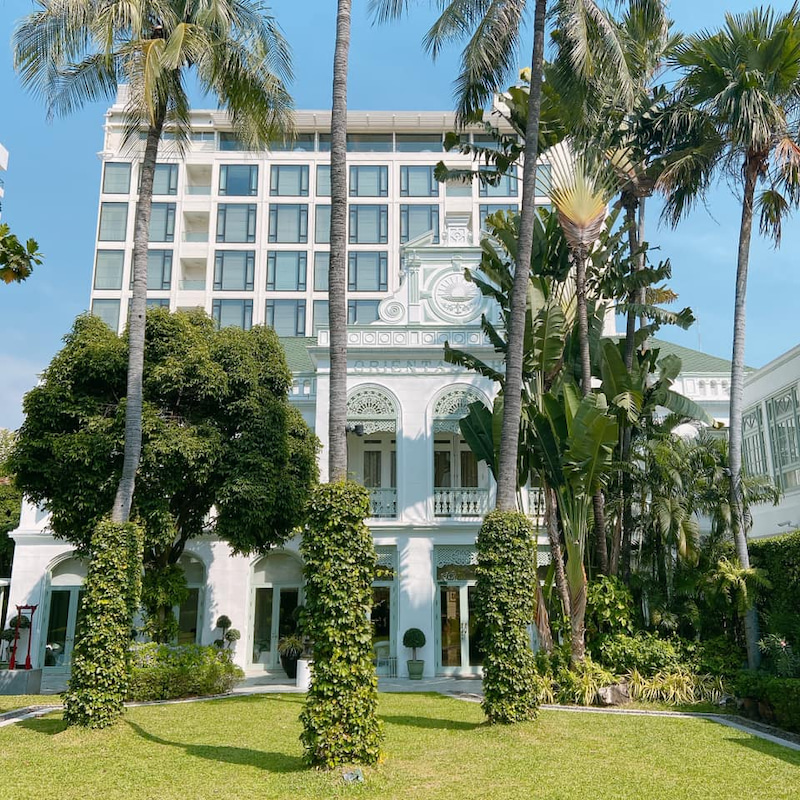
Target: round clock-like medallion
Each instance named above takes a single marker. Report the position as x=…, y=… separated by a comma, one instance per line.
x=455, y=298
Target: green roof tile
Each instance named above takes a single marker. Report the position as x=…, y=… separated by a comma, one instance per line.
x=692, y=360
x=296, y=349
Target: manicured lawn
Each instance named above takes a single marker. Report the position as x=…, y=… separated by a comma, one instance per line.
x=436, y=747
x=8, y=702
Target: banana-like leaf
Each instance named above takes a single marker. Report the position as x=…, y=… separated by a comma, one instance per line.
x=470, y=362
x=548, y=333
x=684, y=407
x=477, y=428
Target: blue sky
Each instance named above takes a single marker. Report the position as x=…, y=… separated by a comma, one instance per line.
x=53, y=181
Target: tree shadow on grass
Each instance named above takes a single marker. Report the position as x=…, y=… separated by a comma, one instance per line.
x=47, y=726
x=240, y=756
x=769, y=749
x=431, y=722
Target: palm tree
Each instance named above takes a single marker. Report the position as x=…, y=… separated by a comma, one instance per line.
x=493, y=29
x=745, y=79
x=76, y=51
x=337, y=302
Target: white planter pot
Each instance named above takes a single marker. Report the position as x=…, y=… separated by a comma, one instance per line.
x=303, y=680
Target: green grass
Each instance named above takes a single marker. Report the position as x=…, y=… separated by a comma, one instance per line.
x=436, y=747
x=9, y=702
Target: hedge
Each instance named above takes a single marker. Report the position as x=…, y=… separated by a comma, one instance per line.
x=780, y=557
x=778, y=699
x=165, y=672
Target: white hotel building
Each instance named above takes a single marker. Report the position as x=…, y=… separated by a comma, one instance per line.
x=244, y=235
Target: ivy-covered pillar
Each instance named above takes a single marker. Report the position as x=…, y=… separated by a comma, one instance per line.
x=340, y=722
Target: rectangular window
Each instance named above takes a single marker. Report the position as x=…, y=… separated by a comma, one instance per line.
x=488, y=141
x=162, y=222
x=320, y=315
x=236, y=223
x=369, y=181
x=159, y=270
x=507, y=186
x=108, y=311
x=287, y=317
x=165, y=180
x=288, y=223
x=113, y=222
x=362, y=312
x=238, y=180
x=288, y=180
x=322, y=225
x=368, y=143
x=230, y=141
x=156, y=302
x=322, y=263
x=369, y=224
x=543, y=180
x=418, y=220
x=493, y=208
x=234, y=270
x=323, y=180
x=755, y=459
x=286, y=270
x=418, y=143
x=202, y=136
x=784, y=429
x=108, y=268
x=233, y=313
x=301, y=143
x=116, y=178
x=418, y=182
x=367, y=271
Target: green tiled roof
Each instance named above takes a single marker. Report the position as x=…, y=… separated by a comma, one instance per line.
x=692, y=360
x=296, y=350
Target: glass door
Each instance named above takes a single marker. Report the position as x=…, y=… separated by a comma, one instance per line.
x=273, y=617
x=459, y=633
x=63, y=626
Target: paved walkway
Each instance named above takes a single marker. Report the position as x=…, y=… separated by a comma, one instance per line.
x=469, y=689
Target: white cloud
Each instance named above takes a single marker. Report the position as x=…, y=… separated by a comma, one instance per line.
x=17, y=376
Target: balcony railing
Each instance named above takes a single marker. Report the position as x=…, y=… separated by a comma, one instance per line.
x=193, y=284
x=465, y=502
x=383, y=503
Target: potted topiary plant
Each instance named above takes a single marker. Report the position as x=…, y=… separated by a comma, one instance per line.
x=414, y=638
x=289, y=649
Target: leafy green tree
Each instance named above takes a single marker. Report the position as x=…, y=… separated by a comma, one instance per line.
x=224, y=451
x=10, y=503
x=17, y=260
x=745, y=80
x=76, y=51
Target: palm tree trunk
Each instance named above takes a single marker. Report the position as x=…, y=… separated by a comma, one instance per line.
x=751, y=169
x=556, y=553
x=512, y=407
x=580, y=256
x=136, y=327
x=337, y=299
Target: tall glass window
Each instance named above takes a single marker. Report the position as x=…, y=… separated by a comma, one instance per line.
x=162, y=222
x=234, y=270
x=233, y=313
x=507, y=185
x=287, y=317
x=288, y=180
x=367, y=271
x=783, y=415
x=417, y=220
x=755, y=459
x=543, y=180
x=230, y=141
x=418, y=182
x=322, y=264
x=369, y=224
x=159, y=270
x=108, y=311
x=165, y=180
x=418, y=143
x=300, y=143
x=116, y=178
x=286, y=270
x=108, y=268
x=368, y=142
x=369, y=181
x=320, y=315
x=493, y=208
x=288, y=223
x=322, y=224
x=236, y=223
x=323, y=180
x=362, y=312
x=113, y=222
x=238, y=180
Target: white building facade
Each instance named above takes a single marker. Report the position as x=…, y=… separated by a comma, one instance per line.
x=244, y=236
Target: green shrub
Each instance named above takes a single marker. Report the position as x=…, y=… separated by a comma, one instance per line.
x=678, y=686
x=778, y=604
x=165, y=672
x=782, y=695
x=163, y=589
x=98, y=683
x=644, y=652
x=340, y=722
x=719, y=656
x=413, y=638
x=581, y=683
x=779, y=656
x=506, y=575
x=609, y=608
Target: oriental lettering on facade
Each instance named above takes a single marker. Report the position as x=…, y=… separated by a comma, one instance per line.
x=403, y=366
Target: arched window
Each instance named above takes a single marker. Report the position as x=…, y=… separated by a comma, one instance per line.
x=372, y=408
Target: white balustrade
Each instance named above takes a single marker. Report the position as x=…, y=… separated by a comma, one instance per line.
x=383, y=503
x=460, y=502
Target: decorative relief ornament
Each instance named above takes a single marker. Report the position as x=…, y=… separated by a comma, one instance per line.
x=455, y=298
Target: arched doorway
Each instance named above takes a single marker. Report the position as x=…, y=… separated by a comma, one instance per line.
x=277, y=587
x=189, y=612
x=62, y=614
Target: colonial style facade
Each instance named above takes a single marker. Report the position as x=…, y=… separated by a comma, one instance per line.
x=244, y=236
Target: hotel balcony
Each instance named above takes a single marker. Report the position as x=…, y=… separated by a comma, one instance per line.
x=460, y=502
x=383, y=503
